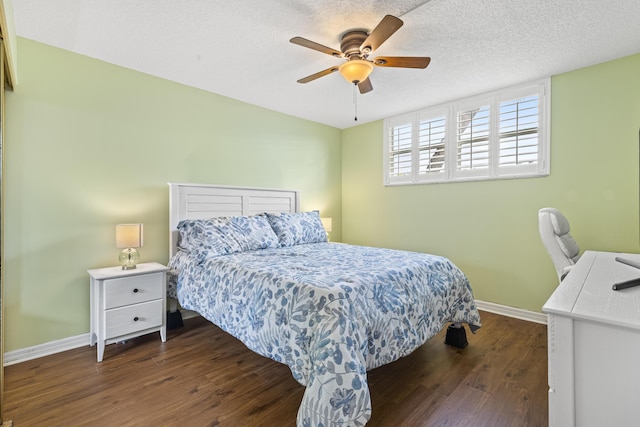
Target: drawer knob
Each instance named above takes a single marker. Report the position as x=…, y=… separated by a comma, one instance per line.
x=135, y=319
x=136, y=290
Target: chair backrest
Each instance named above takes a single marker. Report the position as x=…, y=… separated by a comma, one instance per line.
x=554, y=232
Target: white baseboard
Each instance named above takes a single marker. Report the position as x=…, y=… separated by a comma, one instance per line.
x=46, y=349
x=517, y=313
x=53, y=347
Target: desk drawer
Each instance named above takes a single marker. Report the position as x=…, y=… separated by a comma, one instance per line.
x=132, y=290
x=133, y=318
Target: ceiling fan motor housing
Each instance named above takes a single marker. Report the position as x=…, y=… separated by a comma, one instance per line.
x=351, y=42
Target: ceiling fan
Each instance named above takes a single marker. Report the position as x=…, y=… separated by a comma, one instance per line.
x=355, y=47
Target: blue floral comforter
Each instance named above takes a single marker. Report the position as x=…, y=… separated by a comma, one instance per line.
x=330, y=312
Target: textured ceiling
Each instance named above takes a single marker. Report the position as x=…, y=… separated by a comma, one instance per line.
x=241, y=49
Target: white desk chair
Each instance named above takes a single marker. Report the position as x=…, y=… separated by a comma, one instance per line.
x=554, y=232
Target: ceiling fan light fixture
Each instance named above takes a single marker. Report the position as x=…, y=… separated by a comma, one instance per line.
x=356, y=70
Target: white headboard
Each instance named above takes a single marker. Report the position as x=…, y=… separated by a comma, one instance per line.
x=197, y=201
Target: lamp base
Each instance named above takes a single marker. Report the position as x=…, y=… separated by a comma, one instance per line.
x=129, y=258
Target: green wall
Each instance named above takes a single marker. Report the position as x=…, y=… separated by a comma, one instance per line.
x=90, y=145
x=489, y=229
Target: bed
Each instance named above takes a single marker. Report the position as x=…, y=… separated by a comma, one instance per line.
x=248, y=261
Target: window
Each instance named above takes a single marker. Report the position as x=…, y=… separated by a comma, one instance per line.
x=503, y=134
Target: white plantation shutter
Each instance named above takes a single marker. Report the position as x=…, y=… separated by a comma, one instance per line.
x=522, y=139
x=503, y=134
x=400, y=150
x=519, y=131
x=415, y=147
x=472, y=138
x=431, y=145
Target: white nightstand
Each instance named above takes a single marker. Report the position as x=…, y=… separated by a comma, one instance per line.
x=127, y=303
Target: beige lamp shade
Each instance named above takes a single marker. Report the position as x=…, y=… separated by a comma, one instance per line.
x=128, y=236
x=356, y=70
x=326, y=223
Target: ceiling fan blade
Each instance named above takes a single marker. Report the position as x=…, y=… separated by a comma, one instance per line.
x=365, y=86
x=402, y=61
x=318, y=75
x=389, y=25
x=316, y=46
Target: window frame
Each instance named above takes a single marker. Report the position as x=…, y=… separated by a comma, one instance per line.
x=451, y=172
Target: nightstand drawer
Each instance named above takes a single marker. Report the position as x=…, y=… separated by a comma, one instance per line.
x=132, y=290
x=138, y=317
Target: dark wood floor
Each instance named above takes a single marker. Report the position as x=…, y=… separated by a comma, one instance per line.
x=203, y=377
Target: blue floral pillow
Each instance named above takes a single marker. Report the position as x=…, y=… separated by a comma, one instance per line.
x=297, y=228
x=253, y=232
x=202, y=238
x=205, y=238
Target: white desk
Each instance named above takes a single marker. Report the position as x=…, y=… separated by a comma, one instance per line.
x=594, y=345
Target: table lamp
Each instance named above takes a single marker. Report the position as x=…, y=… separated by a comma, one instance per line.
x=129, y=237
x=326, y=223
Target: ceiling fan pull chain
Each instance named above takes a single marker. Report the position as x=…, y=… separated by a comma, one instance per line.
x=355, y=100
